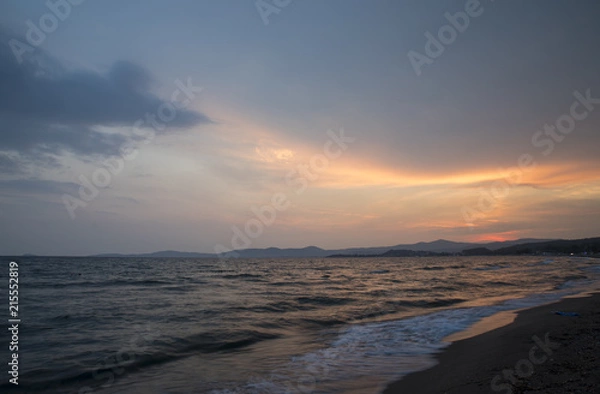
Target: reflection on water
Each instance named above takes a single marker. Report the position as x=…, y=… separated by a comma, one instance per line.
x=121, y=325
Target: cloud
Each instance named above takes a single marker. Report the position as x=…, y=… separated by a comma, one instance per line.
x=9, y=164
x=36, y=187
x=47, y=110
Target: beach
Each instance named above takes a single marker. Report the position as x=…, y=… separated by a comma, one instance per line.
x=541, y=351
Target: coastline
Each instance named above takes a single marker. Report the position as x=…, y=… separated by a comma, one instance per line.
x=538, y=352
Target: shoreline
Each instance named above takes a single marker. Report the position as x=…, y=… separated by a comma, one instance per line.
x=531, y=350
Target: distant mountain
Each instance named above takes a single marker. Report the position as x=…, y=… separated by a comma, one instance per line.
x=562, y=246
x=505, y=244
x=477, y=252
x=163, y=254
x=441, y=246
x=309, y=251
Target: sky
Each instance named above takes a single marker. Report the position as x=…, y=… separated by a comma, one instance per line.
x=136, y=126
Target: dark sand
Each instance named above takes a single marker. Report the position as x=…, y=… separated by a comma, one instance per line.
x=571, y=365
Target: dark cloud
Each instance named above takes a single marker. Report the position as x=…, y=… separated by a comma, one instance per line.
x=83, y=98
x=47, y=110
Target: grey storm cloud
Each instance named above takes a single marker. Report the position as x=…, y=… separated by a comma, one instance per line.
x=46, y=109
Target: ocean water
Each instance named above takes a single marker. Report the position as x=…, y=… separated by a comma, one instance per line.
x=131, y=325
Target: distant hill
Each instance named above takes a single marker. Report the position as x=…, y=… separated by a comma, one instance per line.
x=439, y=247
x=163, y=254
x=563, y=246
x=309, y=251
x=394, y=253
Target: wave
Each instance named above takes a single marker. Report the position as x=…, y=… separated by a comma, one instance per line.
x=128, y=360
x=289, y=284
x=379, y=272
x=103, y=283
x=434, y=268
x=324, y=300
x=384, y=351
x=491, y=267
x=242, y=276
x=426, y=304
x=218, y=341
x=442, y=267
x=498, y=283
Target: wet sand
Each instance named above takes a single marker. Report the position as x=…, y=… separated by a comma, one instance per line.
x=540, y=352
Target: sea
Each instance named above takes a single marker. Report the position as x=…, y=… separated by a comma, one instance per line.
x=250, y=326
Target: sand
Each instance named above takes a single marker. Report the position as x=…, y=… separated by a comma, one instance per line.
x=539, y=352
